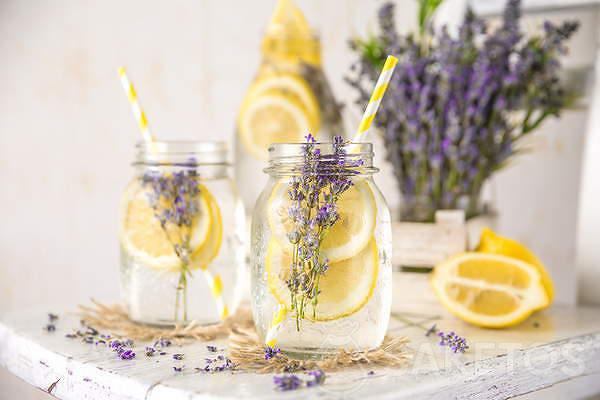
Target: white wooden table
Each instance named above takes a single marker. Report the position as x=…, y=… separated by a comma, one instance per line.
x=554, y=346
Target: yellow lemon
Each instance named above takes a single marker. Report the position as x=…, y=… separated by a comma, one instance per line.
x=350, y=234
x=489, y=290
x=145, y=239
x=491, y=242
x=272, y=118
x=345, y=287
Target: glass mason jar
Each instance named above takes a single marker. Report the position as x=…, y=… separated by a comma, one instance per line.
x=181, y=230
x=321, y=251
x=289, y=96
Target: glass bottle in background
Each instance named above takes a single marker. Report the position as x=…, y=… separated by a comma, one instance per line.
x=289, y=98
x=182, y=230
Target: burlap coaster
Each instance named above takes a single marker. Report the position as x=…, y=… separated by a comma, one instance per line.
x=244, y=347
x=115, y=320
x=246, y=351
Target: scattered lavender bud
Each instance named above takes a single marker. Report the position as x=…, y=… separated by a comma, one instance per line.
x=150, y=351
x=162, y=353
x=178, y=356
x=71, y=335
x=179, y=369
x=160, y=343
x=287, y=382
x=127, y=354
x=451, y=340
x=318, y=378
x=271, y=352
x=371, y=373
x=88, y=339
x=211, y=348
x=218, y=364
x=91, y=331
x=52, y=317
x=50, y=327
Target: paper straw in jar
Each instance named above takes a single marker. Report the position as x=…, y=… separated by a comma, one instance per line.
x=278, y=318
x=214, y=282
x=216, y=287
x=134, y=102
x=380, y=87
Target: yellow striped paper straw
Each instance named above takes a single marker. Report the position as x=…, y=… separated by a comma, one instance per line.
x=278, y=318
x=216, y=287
x=378, y=92
x=214, y=282
x=134, y=102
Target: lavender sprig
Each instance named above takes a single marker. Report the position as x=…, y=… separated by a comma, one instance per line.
x=174, y=200
x=314, y=194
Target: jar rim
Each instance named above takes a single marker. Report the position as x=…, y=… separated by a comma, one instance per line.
x=289, y=158
x=182, y=152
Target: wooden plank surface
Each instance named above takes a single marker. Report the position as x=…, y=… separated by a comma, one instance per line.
x=555, y=346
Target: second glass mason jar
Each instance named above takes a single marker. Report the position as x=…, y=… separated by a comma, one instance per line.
x=181, y=230
x=321, y=250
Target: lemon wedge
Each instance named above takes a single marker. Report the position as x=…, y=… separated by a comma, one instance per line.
x=491, y=242
x=344, y=288
x=349, y=235
x=146, y=241
x=272, y=118
x=489, y=290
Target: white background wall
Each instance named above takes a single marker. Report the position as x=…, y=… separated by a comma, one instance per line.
x=67, y=136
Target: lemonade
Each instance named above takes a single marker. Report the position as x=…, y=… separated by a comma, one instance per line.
x=289, y=97
x=181, y=230
x=321, y=250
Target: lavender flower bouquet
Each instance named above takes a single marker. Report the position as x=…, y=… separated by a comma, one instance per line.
x=457, y=105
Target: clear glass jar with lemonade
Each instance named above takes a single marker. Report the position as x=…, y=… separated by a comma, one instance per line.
x=320, y=250
x=181, y=235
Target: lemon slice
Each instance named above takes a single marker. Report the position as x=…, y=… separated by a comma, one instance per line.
x=349, y=235
x=271, y=118
x=288, y=85
x=344, y=288
x=209, y=249
x=489, y=290
x=491, y=242
x=146, y=241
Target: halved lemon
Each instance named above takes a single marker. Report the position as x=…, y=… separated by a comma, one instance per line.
x=489, y=290
x=491, y=242
x=272, y=118
x=349, y=235
x=344, y=288
x=146, y=241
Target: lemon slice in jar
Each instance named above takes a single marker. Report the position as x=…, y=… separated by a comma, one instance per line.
x=344, y=288
x=148, y=243
x=350, y=234
x=489, y=290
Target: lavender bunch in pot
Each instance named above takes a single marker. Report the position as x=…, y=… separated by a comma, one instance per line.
x=458, y=105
